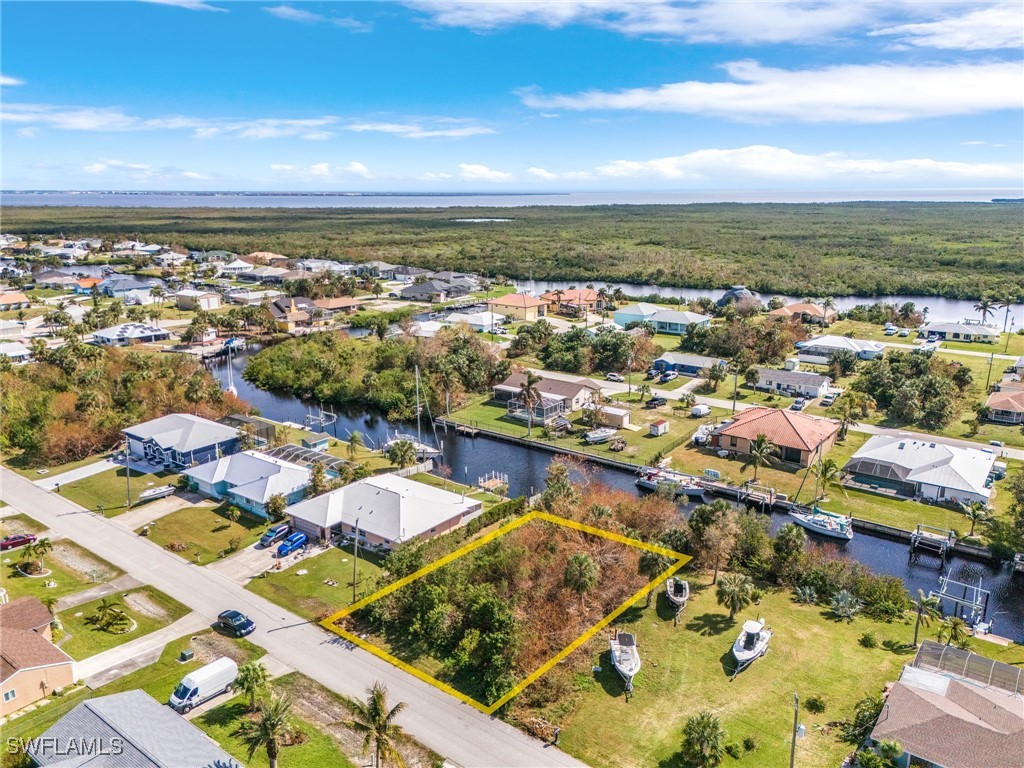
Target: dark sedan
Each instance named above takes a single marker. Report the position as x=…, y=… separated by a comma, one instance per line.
x=16, y=540
x=236, y=623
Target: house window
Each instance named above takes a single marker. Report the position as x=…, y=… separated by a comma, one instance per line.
x=9, y=695
x=732, y=442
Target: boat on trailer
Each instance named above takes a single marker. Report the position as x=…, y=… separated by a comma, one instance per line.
x=677, y=591
x=652, y=478
x=625, y=657
x=602, y=435
x=824, y=522
x=752, y=643
x=156, y=493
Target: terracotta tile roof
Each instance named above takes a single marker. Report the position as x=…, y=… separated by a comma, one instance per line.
x=89, y=282
x=520, y=300
x=336, y=302
x=802, y=308
x=13, y=298
x=1007, y=400
x=575, y=296
x=24, y=613
x=786, y=428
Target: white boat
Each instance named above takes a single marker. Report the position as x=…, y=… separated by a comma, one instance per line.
x=625, y=657
x=156, y=493
x=601, y=435
x=825, y=523
x=423, y=450
x=751, y=644
x=651, y=479
x=677, y=591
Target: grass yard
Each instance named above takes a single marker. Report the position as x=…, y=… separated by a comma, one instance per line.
x=307, y=594
x=20, y=523
x=148, y=607
x=107, y=490
x=749, y=396
x=207, y=531
x=488, y=499
x=73, y=569
x=866, y=331
x=375, y=461
x=19, y=465
x=1015, y=347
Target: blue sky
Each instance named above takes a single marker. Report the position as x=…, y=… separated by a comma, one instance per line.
x=511, y=96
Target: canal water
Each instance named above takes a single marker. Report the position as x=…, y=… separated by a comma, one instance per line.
x=470, y=458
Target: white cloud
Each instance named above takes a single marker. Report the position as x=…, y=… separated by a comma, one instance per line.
x=290, y=13
x=418, y=131
x=28, y=132
x=780, y=164
x=999, y=26
x=542, y=173
x=431, y=176
x=189, y=5
x=6, y=80
x=281, y=167
x=871, y=93
x=322, y=172
x=194, y=175
x=358, y=169
x=141, y=172
x=474, y=172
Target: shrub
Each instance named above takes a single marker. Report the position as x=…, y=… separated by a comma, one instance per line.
x=868, y=640
x=806, y=595
x=234, y=544
x=177, y=546
x=815, y=704
x=750, y=743
x=733, y=750
x=844, y=605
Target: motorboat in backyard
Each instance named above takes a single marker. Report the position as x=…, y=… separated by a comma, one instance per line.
x=752, y=643
x=625, y=657
x=677, y=591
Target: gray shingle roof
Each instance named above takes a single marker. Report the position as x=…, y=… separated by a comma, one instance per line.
x=141, y=731
x=182, y=432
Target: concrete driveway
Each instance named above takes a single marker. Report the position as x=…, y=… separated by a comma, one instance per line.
x=247, y=564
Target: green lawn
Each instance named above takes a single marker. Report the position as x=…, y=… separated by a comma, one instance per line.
x=108, y=489
x=488, y=499
x=1014, y=348
x=866, y=331
x=749, y=396
x=375, y=461
x=19, y=465
x=686, y=670
x=73, y=569
x=206, y=530
x=20, y=523
x=307, y=594
x=87, y=640
x=319, y=749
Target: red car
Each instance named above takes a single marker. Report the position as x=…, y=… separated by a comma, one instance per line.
x=16, y=540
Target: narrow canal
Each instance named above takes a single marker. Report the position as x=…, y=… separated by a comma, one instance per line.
x=471, y=458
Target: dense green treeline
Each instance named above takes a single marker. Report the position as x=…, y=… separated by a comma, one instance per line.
x=957, y=250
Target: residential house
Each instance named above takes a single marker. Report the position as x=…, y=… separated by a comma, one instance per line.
x=557, y=396
x=380, y=269
x=481, y=322
x=261, y=274
x=670, y=321
x=433, y=290
x=253, y=298
x=521, y=306
x=384, y=509
x=819, y=349
x=15, y=351
x=170, y=259
x=206, y=257
x=426, y=329
x=10, y=329
x=268, y=257
x=181, y=440
x=31, y=666
x=736, y=294
x=573, y=301
x=324, y=265
x=404, y=274
x=196, y=300
x=337, y=304
x=14, y=300
x=123, y=286
x=968, y=330
x=807, y=313
x=295, y=312
x=1018, y=366
x=55, y=280
x=955, y=709
x=1007, y=404
x=800, y=383
x=249, y=479
x=450, y=277
x=685, y=363
x=801, y=439
x=922, y=469
x=129, y=333
x=86, y=284
x=127, y=730
x=236, y=268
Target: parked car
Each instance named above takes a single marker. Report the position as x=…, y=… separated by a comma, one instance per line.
x=614, y=377
x=890, y=331
x=828, y=399
x=203, y=684
x=274, y=534
x=294, y=542
x=236, y=623
x=16, y=540
x=904, y=332
x=798, y=404
x=655, y=402
x=653, y=373
x=668, y=376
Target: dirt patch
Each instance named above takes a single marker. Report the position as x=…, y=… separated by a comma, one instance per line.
x=141, y=602
x=212, y=646
x=320, y=706
x=12, y=525
x=83, y=563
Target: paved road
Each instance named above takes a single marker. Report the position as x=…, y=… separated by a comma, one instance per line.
x=439, y=721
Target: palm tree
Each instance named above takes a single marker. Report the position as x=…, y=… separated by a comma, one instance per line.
x=954, y=630
x=109, y=614
x=703, y=740
x=402, y=453
x=644, y=389
x=649, y=566
x=269, y=729
x=376, y=722
x=928, y=609
x=40, y=550
x=826, y=473
x=735, y=592
x=985, y=307
x=827, y=303
x=846, y=419
x=761, y=453
x=581, y=574
x=355, y=442
x=531, y=396
x=51, y=604
x=252, y=680
x=234, y=513
x=976, y=512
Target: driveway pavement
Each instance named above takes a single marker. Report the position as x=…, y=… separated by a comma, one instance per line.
x=122, y=583
x=246, y=565
x=438, y=720
x=154, y=510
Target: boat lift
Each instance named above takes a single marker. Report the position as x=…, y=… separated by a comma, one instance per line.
x=757, y=495
x=323, y=419
x=969, y=601
x=937, y=540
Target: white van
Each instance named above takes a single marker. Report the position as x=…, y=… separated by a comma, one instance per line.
x=215, y=678
x=700, y=410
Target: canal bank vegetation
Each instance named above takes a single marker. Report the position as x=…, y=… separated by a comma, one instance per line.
x=581, y=351
x=957, y=250
x=380, y=374
x=76, y=399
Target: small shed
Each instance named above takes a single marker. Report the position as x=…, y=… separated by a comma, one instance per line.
x=610, y=416
x=659, y=428
x=316, y=441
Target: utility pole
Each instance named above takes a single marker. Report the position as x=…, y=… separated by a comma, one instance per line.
x=355, y=558
x=735, y=385
x=988, y=379
x=796, y=718
x=127, y=474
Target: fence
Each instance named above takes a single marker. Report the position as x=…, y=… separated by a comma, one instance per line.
x=943, y=658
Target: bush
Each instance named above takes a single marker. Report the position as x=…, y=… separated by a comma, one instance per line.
x=177, y=546
x=868, y=640
x=815, y=704
x=750, y=743
x=733, y=750
x=234, y=544
x=498, y=512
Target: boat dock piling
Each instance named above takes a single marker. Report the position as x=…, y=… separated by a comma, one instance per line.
x=937, y=540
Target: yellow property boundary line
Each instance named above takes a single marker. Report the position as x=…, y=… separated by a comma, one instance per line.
x=330, y=622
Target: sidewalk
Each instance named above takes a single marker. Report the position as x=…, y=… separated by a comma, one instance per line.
x=48, y=483
x=122, y=583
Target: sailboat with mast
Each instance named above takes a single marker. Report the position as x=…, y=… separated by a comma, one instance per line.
x=424, y=450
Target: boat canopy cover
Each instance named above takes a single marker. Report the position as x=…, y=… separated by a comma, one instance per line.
x=753, y=627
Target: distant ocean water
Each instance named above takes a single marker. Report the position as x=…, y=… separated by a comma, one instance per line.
x=170, y=199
